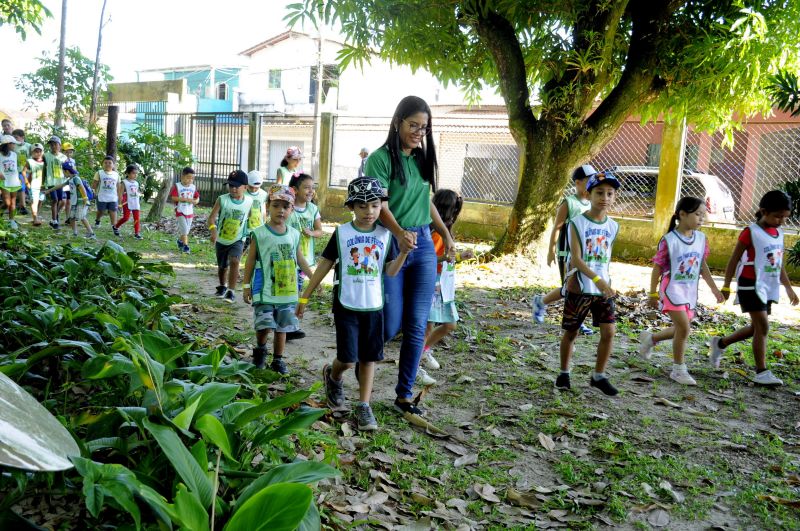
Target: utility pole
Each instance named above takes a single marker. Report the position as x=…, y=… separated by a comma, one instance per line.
x=317, y=116
x=62, y=59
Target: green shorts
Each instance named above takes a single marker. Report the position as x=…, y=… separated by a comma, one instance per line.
x=11, y=189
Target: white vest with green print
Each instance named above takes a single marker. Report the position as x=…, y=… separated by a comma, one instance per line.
x=232, y=219
x=596, y=239
x=362, y=255
x=275, y=280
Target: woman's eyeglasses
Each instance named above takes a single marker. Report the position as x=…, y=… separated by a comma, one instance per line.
x=415, y=128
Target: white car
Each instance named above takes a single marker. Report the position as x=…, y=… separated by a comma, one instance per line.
x=637, y=192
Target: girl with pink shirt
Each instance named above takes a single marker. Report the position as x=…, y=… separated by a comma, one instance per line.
x=677, y=267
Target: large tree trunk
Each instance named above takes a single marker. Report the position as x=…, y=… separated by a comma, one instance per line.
x=160, y=201
x=544, y=172
x=62, y=59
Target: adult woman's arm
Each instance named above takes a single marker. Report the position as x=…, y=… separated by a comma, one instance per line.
x=407, y=240
x=438, y=224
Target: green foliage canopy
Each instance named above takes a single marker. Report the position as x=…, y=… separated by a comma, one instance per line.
x=23, y=14
x=40, y=85
x=572, y=72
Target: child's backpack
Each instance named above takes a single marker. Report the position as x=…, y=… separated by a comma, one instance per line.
x=89, y=191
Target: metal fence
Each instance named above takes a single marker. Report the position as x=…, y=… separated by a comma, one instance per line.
x=479, y=159
x=731, y=179
x=477, y=156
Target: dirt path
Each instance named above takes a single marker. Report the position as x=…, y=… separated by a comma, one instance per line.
x=516, y=453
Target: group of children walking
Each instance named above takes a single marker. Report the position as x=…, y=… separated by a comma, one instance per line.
x=680, y=261
x=277, y=228
x=51, y=175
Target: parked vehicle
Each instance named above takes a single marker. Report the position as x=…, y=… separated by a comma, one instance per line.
x=637, y=192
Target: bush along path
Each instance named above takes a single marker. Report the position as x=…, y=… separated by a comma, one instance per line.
x=173, y=431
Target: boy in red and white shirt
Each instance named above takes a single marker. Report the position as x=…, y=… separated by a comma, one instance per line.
x=185, y=196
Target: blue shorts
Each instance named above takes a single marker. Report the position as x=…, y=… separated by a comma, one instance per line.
x=359, y=335
x=278, y=317
x=24, y=187
x=111, y=206
x=57, y=195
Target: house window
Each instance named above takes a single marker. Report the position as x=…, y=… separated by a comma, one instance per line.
x=490, y=172
x=222, y=91
x=330, y=78
x=274, y=79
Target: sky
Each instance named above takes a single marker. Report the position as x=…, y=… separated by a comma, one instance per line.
x=143, y=34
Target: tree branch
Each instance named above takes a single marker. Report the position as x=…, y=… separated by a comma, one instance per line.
x=638, y=84
x=498, y=35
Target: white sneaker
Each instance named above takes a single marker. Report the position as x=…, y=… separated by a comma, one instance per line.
x=682, y=377
x=646, y=344
x=539, y=309
x=767, y=378
x=716, y=352
x=428, y=360
x=13, y=224
x=423, y=378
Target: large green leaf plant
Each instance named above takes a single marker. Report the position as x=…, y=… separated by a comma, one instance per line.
x=172, y=433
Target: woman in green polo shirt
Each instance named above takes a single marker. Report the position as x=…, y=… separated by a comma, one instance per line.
x=406, y=166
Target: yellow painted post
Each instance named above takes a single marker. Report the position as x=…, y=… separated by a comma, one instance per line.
x=673, y=144
x=325, y=157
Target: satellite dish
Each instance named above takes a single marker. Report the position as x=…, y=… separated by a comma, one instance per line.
x=31, y=438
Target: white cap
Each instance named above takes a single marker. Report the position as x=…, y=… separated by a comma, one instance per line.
x=254, y=178
x=8, y=139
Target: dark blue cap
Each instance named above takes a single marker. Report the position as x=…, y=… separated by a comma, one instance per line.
x=603, y=177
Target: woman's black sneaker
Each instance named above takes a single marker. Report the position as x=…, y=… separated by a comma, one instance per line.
x=604, y=385
x=562, y=382
x=407, y=407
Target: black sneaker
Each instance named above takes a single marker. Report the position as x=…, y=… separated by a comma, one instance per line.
x=407, y=407
x=297, y=334
x=221, y=290
x=562, y=382
x=278, y=365
x=334, y=391
x=116, y=231
x=138, y=236
x=23, y=211
x=604, y=385
x=259, y=357
x=96, y=222
x=229, y=296
x=180, y=245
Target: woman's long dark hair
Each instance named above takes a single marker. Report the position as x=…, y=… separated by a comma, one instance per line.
x=687, y=204
x=426, y=155
x=448, y=203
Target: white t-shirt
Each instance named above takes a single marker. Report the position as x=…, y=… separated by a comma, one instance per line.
x=132, y=191
x=107, y=190
x=8, y=163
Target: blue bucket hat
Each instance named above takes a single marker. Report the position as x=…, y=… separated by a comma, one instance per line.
x=603, y=177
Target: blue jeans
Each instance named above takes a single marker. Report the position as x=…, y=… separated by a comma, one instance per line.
x=408, y=299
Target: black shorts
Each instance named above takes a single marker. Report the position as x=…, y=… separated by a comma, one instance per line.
x=748, y=300
x=578, y=305
x=359, y=335
x=225, y=252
